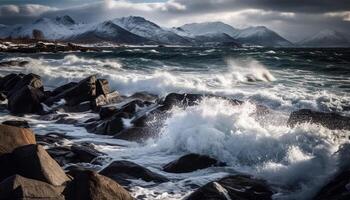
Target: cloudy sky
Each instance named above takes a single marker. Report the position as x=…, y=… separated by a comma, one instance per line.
x=293, y=19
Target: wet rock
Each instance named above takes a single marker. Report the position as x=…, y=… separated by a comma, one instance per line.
x=102, y=87
x=63, y=88
x=190, y=163
x=102, y=100
x=12, y=137
x=330, y=120
x=337, y=188
x=107, y=112
x=85, y=90
x=122, y=170
x=90, y=185
x=17, y=123
x=19, y=187
x=144, y=96
x=137, y=134
x=32, y=80
x=26, y=100
x=82, y=107
x=11, y=63
x=238, y=187
x=7, y=167
x=84, y=153
x=9, y=81
x=32, y=161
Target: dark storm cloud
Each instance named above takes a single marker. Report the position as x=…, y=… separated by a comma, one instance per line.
x=300, y=6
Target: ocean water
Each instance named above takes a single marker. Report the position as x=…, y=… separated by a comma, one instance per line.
x=296, y=162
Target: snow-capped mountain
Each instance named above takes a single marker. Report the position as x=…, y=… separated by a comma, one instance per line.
x=209, y=28
x=107, y=31
x=215, y=39
x=52, y=28
x=147, y=29
x=258, y=35
x=326, y=38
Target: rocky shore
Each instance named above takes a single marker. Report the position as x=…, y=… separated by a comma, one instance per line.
x=49, y=167
x=37, y=46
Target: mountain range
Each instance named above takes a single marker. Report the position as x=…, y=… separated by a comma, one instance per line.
x=140, y=31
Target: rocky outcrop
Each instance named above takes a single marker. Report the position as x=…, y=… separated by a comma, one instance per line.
x=26, y=100
x=190, y=163
x=17, y=123
x=19, y=187
x=330, y=120
x=12, y=63
x=34, y=162
x=122, y=170
x=12, y=137
x=238, y=187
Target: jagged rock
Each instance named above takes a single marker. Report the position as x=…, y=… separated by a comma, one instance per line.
x=17, y=123
x=122, y=170
x=63, y=88
x=34, y=162
x=113, y=97
x=137, y=134
x=238, y=187
x=12, y=137
x=19, y=187
x=91, y=186
x=330, y=120
x=26, y=100
x=191, y=162
x=9, y=81
x=144, y=96
x=32, y=80
x=85, y=90
x=102, y=87
x=107, y=112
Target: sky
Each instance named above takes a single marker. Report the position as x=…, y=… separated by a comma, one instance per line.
x=293, y=19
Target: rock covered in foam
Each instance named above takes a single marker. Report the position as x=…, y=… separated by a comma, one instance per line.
x=330, y=120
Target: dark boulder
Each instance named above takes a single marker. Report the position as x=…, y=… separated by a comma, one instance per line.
x=7, y=167
x=85, y=90
x=11, y=63
x=144, y=96
x=26, y=100
x=19, y=187
x=336, y=189
x=89, y=185
x=174, y=99
x=34, y=162
x=102, y=87
x=122, y=170
x=17, y=123
x=9, y=81
x=3, y=96
x=12, y=137
x=32, y=80
x=137, y=134
x=191, y=162
x=63, y=88
x=330, y=120
x=238, y=187
x=107, y=112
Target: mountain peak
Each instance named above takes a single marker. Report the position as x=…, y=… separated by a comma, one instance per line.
x=67, y=20
x=326, y=38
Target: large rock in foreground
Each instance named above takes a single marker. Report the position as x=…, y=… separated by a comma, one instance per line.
x=190, y=163
x=34, y=162
x=12, y=137
x=237, y=187
x=91, y=186
x=122, y=170
x=330, y=120
x=18, y=187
